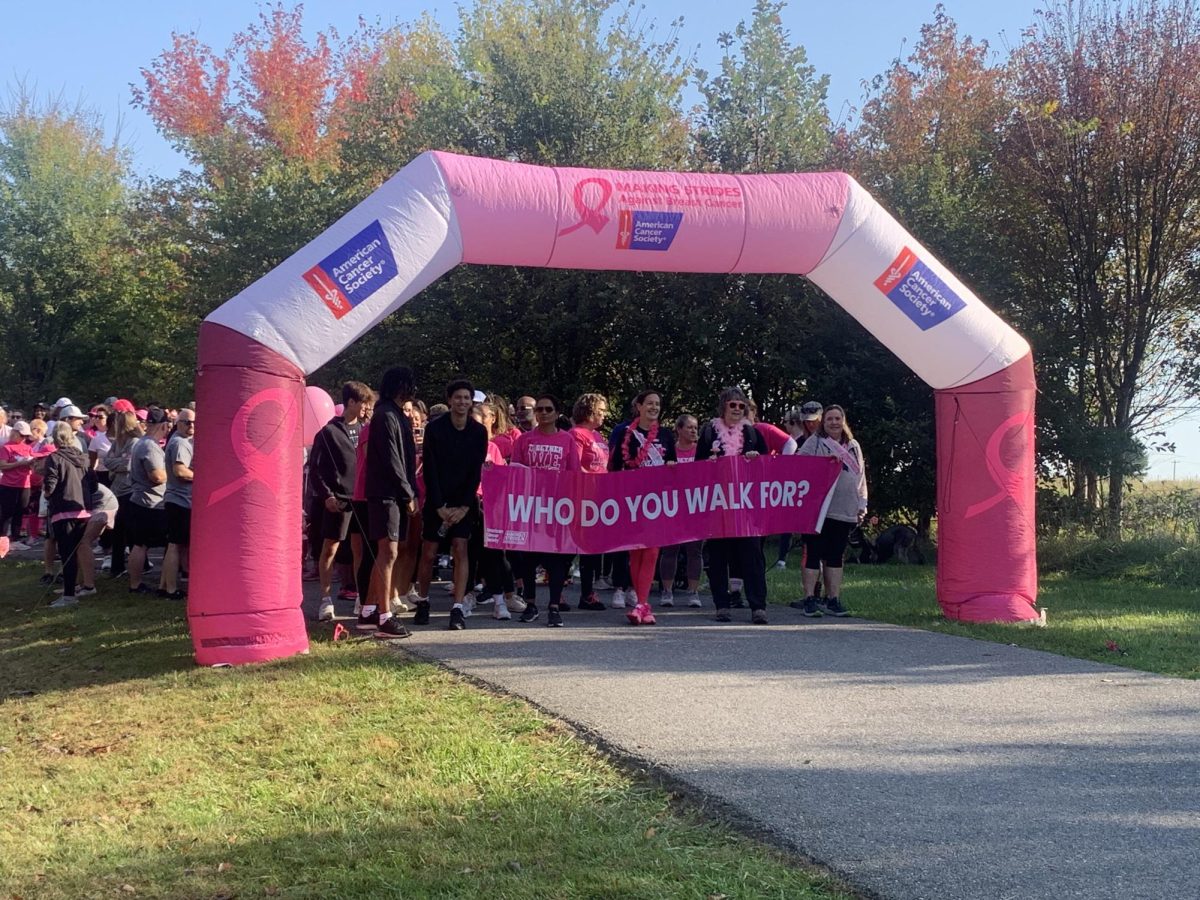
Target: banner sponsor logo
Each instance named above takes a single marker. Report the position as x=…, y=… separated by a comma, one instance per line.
x=354, y=271
x=642, y=229
x=573, y=512
x=917, y=291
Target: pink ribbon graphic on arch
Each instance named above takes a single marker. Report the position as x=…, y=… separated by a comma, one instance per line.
x=591, y=216
x=261, y=461
x=1004, y=478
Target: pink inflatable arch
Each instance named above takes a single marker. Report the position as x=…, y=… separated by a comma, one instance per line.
x=442, y=210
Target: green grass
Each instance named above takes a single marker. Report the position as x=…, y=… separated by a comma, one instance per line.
x=1153, y=627
x=351, y=772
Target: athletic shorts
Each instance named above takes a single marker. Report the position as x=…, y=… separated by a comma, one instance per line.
x=386, y=519
x=179, y=524
x=334, y=525
x=431, y=522
x=147, y=527
x=359, y=517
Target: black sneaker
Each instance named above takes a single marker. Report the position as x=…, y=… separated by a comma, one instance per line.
x=171, y=595
x=421, y=616
x=530, y=614
x=553, y=619
x=369, y=620
x=811, y=607
x=140, y=589
x=735, y=600
x=592, y=603
x=458, y=622
x=723, y=615
x=46, y=579
x=834, y=607
x=564, y=606
x=759, y=617
x=392, y=630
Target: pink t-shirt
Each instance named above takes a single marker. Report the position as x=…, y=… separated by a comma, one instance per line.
x=496, y=458
x=20, y=476
x=506, y=441
x=360, y=460
x=688, y=455
x=547, y=451
x=775, y=437
x=593, y=449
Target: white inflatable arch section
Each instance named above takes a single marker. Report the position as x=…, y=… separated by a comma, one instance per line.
x=442, y=210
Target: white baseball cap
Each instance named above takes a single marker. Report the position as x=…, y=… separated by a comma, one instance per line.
x=63, y=401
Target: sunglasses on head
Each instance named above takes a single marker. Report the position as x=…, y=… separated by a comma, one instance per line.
x=736, y=404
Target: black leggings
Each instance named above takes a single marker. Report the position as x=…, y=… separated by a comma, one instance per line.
x=69, y=533
x=120, y=536
x=589, y=569
x=496, y=572
x=13, y=501
x=556, y=566
x=829, y=546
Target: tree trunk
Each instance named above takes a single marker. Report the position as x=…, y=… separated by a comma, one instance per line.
x=1116, y=495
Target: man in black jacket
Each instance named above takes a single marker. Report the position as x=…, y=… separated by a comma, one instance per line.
x=454, y=452
x=391, y=494
x=331, y=471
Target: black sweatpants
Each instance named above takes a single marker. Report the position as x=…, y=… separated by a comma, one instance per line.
x=743, y=555
x=556, y=566
x=69, y=533
x=13, y=501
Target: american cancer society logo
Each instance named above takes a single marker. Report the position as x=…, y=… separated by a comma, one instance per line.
x=640, y=229
x=917, y=291
x=354, y=271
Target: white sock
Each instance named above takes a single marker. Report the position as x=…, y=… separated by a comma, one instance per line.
x=458, y=606
x=368, y=610
x=383, y=617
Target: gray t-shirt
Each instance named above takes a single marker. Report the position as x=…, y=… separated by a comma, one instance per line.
x=179, y=450
x=147, y=456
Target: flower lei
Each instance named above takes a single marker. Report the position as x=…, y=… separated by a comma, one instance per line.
x=731, y=439
x=644, y=451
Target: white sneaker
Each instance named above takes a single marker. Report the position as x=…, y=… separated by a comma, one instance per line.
x=666, y=598
x=400, y=605
x=618, y=599
x=601, y=584
x=106, y=564
x=325, y=611
x=782, y=564
x=63, y=602
x=500, y=610
x=694, y=600
x=468, y=605
x=84, y=591
x=516, y=603
x=19, y=545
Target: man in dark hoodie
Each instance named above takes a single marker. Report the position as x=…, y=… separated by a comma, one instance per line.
x=331, y=470
x=68, y=487
x=391, y=494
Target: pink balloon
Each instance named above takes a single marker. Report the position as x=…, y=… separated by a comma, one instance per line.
x=339, y=409
x=318, y=410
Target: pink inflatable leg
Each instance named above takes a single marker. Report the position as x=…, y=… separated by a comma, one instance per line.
x=244, y=595
x=987, y=547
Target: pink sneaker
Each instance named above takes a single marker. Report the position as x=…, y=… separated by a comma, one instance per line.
x=641, y=614
x=3, y=546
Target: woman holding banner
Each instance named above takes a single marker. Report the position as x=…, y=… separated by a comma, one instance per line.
x=588, y=415
x=545, y=447
x=638, y=444
x=687, y=431
x=847, y=507
x=731, y=433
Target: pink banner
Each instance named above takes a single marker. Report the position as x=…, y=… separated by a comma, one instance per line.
x=571, y=512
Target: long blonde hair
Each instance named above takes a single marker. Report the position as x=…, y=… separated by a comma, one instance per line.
x=125, y=428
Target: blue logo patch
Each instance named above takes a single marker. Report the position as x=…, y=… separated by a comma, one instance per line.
x=918, y=292
x=354, y=271
x=640, y=229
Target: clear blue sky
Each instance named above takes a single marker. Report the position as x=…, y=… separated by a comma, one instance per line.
x=92, y=50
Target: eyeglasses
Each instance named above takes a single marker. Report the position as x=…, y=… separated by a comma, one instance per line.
x=736, y=404
x=544, y=409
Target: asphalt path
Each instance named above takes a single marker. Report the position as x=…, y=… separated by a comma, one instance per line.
x=913, y=764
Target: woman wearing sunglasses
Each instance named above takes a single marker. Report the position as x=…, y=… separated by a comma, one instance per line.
x=638, y=444
x=731, y=433
x=545, y=447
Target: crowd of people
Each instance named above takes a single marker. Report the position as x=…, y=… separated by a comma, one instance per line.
x=117, y=480
x=401, y=484
x=393, y=493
